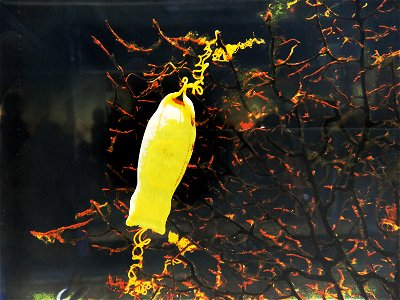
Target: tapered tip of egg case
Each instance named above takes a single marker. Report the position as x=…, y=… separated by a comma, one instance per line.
x=178, y=100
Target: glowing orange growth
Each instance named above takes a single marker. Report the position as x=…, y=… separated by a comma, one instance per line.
x=164, y=155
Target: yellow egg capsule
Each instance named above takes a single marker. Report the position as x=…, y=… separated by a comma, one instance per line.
x=165, y=152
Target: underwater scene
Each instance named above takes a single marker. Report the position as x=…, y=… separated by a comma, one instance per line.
x=187, y=149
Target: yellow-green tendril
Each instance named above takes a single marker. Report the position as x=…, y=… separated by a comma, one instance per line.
x=135, y=286
x=220, y=54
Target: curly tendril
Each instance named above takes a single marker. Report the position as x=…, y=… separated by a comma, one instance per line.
x=219, y=54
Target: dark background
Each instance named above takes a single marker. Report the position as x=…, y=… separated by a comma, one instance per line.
x=54, y=122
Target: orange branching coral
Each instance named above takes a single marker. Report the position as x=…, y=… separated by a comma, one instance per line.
x=296, y=168
x=380, y=59
x=129, y=46
x=389, y=223
x=56, y=234
x=199, y=295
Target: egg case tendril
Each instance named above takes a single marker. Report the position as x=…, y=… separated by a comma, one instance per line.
x=150, y=216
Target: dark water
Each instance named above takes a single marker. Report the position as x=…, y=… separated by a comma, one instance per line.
x=54, y=121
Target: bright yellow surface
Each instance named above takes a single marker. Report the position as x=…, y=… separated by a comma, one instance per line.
x=164, y=155
x=168, y=144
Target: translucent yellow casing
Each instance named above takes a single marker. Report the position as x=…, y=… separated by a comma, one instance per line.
x=164, y=155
